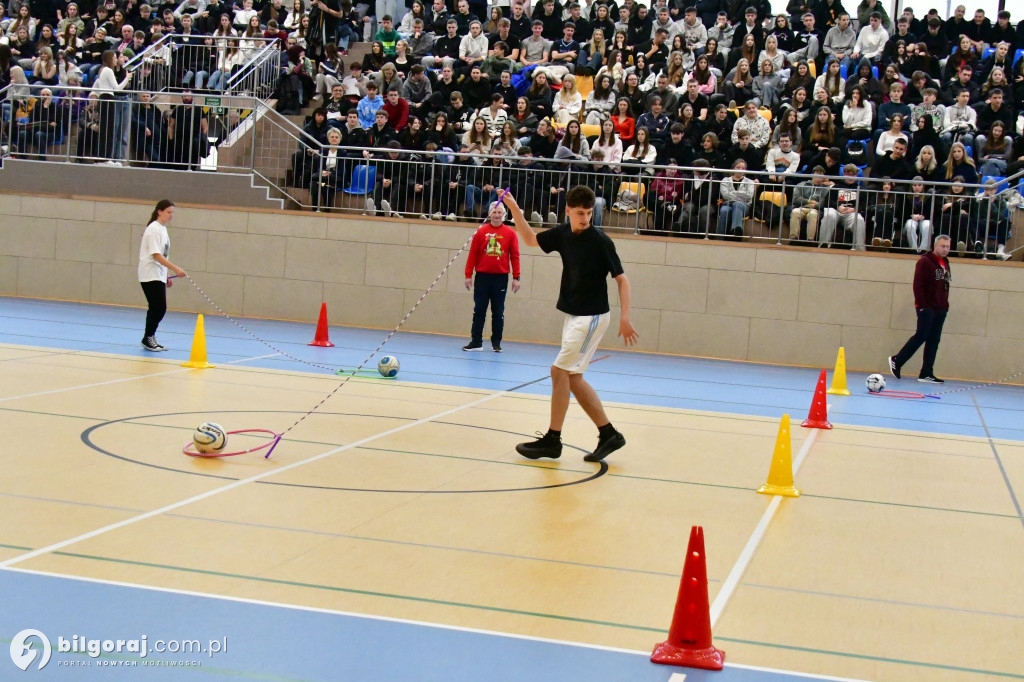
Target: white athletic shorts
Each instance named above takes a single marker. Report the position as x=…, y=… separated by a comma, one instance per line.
x=580, y=337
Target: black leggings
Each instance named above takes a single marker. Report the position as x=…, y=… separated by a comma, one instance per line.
x=156, y=296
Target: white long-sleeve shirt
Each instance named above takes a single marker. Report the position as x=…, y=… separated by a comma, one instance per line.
x=871, y=42
x=855, y=118
x=106, y=82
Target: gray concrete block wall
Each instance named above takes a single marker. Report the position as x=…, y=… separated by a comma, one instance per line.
x=735, y=301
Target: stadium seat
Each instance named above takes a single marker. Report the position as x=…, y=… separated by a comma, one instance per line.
x=363, y=178
x=988, y=52
x=635, y=187
x=1001, y=182
x=842, y=70
x=812, y=68
x=1017, y=55
x=777, y=198
x=969, y=151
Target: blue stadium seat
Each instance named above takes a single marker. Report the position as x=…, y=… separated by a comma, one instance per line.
x=969, y=151
x=988, y=51
x=874, y=71
x=842, y=70
x=363, y=178
x=1017, y=55
x=1001, y=181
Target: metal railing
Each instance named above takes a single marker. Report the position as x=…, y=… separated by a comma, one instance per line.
x=160, y=130
x=177, y=62
x=244, y=134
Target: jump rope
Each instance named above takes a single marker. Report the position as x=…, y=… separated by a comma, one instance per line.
x=348, y=374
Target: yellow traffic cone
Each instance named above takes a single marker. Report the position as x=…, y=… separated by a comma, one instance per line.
x=839, y=376
x=198, y=357
x=780, y=477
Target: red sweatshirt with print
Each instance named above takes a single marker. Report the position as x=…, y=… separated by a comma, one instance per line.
x=492, y=250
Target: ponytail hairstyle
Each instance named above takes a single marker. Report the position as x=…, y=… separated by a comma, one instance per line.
x=162, y=205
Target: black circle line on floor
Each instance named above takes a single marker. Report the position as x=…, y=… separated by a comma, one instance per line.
x=87, y=439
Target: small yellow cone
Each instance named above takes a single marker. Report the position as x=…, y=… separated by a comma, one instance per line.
x=839, y=376
x=198, y=357
x=780, y=477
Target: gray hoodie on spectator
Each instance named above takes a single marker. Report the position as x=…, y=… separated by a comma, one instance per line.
x=807, y=191
x=840, y=41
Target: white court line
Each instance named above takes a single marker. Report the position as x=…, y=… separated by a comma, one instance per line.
x=403, y=621
x=231, y=486
x=747, y=555
x=121, y=381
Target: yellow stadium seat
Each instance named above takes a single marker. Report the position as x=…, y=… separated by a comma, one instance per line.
x=777, y=198
x=635, y=187
x=585, y=84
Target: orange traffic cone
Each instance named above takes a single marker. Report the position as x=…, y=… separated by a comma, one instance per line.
x=689, y=636
x=321, y=330
x=817, y=418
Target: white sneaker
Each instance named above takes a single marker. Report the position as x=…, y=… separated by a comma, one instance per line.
x=371, y=209
x=436, y=216
x=452, y=217
x=1001, y=253
x=385, y=208
x=552, y=218
x=961, y=247
x=535, y=218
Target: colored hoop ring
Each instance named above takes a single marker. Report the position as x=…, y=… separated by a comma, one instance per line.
x=273, y=441
x=903, y=394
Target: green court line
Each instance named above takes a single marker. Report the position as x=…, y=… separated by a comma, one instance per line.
x=517, y=612
x=868, y=657
x=19, y=547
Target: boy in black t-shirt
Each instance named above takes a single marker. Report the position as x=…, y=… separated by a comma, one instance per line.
x=588, y=257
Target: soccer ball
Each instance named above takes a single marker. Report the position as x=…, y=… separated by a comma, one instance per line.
x=388, y=366
x=875, y=383
x=209, y=438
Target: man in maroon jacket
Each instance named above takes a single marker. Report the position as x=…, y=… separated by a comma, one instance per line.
x=494, y=249
x=931, y=299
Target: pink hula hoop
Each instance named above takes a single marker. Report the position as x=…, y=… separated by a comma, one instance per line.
x=269, y=444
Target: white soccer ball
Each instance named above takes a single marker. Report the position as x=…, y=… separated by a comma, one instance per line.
x=875, y=383
x=209, y=438
x=388, y=366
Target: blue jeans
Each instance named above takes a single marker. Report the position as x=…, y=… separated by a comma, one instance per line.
x=475, y=194
x=730, y=216
x=218, y=79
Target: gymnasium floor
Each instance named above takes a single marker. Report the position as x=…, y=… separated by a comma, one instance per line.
x=396, y=535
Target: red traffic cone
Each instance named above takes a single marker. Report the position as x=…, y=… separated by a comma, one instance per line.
x=321, y=330
x=689, y=637
x=817, y=418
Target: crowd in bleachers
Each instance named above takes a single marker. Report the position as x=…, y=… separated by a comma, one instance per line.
x=612, y=92
x=695, y=115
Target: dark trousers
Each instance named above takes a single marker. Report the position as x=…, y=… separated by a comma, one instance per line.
x=156, y=296
x=489, y=289
x=929, y=332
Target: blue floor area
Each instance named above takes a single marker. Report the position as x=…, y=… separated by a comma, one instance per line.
x=262, y=642
x=626, y=377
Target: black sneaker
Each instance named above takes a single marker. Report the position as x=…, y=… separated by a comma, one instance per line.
x=496, y=347
x=473, y=346
x=930, y=380
x=605, y=447
x=893, y=369
x=149, y=343
x=545, y=446
x=159, y=346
